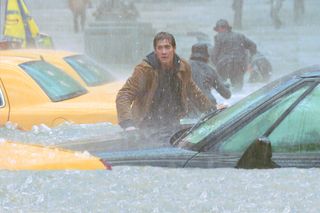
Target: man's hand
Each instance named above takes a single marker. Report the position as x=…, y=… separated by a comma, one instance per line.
x=132, y=133
x=130, y=128
x=221, y=106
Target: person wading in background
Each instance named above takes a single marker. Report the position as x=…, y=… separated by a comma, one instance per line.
x=229, y=53
x=78, y=9
x=204, y=75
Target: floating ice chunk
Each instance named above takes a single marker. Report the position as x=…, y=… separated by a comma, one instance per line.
x=42, y=128
x=84, y=154
x=2, y=140
x=11, y=125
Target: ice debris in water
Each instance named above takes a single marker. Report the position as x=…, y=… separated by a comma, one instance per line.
x=2, y=140
x=42, y=128
x=82, y=154
x=10, y=125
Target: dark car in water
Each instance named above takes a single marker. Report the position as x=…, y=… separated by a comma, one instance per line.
x=276, y=126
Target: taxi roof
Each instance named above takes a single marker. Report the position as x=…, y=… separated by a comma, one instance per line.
x=15, y=59
x=35, y=53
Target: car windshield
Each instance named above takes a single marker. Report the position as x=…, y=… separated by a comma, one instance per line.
x=53, y=81
x=92, y=73
x=201, y=131
x=257, y=127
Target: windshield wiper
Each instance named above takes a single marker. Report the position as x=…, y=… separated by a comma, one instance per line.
x=174, y=140
x=209, y=114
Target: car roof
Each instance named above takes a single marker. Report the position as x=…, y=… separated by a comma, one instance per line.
x=32, y=53
x=15, y=59
x=308, y=72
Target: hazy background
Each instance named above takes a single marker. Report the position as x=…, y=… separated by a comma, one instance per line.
x=288, y=48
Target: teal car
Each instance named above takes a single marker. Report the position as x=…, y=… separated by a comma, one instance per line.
x=276, y=126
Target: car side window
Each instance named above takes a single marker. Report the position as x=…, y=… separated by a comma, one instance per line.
x=241, y=139
x=92, y=73
x=53, y=81
x=302, y=127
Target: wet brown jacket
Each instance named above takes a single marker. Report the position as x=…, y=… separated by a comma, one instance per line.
x=135, y=98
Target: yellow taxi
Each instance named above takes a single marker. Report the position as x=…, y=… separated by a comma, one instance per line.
x=91, y=75
x=20, y=156
x=34, y=92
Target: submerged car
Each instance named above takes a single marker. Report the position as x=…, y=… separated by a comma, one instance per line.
x=96, y=79
x=276, y=126
x=21, y=156
x=34, y=92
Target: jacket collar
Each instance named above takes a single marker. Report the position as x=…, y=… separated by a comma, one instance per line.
x=152, y=60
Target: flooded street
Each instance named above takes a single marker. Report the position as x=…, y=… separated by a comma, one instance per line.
x=151, y=189
x=147, y=189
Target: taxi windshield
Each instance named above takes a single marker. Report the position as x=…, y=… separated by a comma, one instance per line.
x=91, y=72
x=53, y=81
x=203, y=129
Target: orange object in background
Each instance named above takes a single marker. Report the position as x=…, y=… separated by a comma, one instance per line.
x=19, y=156
x=94, y=77
x=34, y=92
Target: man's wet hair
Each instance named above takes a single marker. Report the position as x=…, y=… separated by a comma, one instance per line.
x=164, y=35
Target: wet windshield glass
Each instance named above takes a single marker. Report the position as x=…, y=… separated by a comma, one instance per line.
x=92, y=73
x=304, y=127
x=232, y=113
x=54, y=82
x=240, y=141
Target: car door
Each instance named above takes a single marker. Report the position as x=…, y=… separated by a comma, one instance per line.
x=4, y=105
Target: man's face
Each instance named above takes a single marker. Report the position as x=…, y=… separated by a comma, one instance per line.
x=222, y=29
x=165, y=52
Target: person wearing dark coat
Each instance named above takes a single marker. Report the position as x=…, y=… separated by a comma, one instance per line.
x=205, y=75
x=260, y=68
x=229, y=53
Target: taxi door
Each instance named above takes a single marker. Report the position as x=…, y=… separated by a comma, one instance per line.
x=4, y=106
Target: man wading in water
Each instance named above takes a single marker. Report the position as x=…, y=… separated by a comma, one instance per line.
x=157, y=94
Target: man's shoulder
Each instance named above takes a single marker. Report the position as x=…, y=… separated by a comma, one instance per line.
x=144, y=66
x=184, y=65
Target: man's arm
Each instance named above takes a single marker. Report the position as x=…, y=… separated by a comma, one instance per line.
x=250, y=45
x=219, y=85
x=215, y=51
x=198, y=98
x=127, y=95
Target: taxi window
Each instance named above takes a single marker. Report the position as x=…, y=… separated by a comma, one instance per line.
x=235, y=111
x=53, y=81
x=92, y=73
x=304, y=132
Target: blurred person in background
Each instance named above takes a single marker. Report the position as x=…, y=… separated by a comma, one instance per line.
x=229, y=53
x=298, y=11
x=78, y=9
x=237, y=6
x=205, y=75
x=276, y=6
x=260, y=68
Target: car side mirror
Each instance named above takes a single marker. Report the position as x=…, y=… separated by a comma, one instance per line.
x=258, y=155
